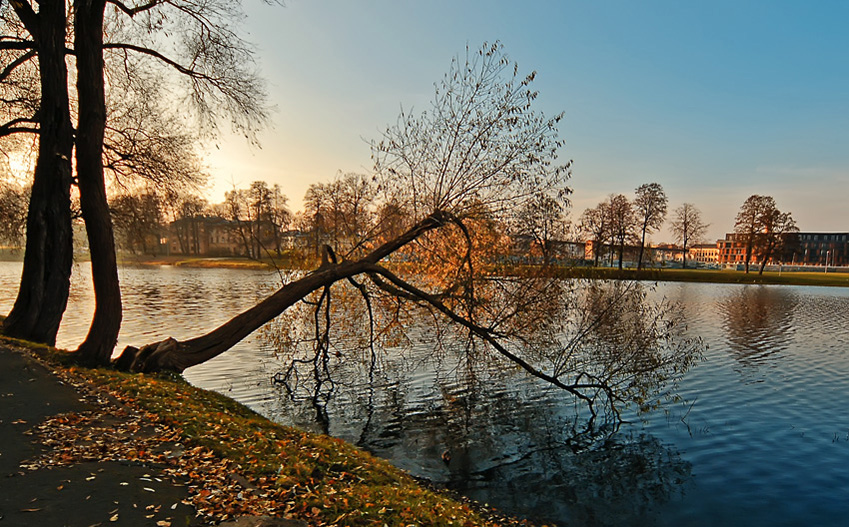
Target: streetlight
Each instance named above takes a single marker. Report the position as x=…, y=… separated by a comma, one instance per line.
x=828, y=252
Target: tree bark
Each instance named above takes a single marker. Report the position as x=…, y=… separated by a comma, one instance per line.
x=173, y=355
x=642, y=248
x=45, y=280
x=103, y=332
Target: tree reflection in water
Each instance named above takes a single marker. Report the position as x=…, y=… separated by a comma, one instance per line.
x=758, y=323
x=436, y=402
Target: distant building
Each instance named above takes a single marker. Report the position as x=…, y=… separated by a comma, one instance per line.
x=814, y=248
x=667, y=252
x=731, y=250
x=806, y=248
x=204, y=236
x=704, y=253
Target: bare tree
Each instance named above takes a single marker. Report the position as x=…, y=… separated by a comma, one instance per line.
x=34, y=81
x=778, y=230
x=139, y=220
x=751, y=222
x=259, y=214
x=621, y=222
x=595, y=222
x=14, y=201
x=215, y=67
x=456, y=172
x=186, y=213
x=650, y=205
x=688, y=227
x=543, y=220
x=341, y=212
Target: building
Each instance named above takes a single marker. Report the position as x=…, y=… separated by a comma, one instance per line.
x=732, y=250
x=204, y=236
x=804, y=248
x=822, y=248
x=705, y=253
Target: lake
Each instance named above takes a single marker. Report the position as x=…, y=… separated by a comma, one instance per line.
x=761, y=439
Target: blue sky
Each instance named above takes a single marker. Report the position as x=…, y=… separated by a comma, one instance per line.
x=714, y=100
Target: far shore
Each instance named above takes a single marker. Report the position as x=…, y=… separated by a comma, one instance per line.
x=831, y=279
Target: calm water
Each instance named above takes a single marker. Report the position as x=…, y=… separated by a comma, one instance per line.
x=762, y=440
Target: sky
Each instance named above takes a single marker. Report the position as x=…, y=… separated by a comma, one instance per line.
x=715, y=101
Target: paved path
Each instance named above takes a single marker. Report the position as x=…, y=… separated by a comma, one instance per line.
x=85, y=494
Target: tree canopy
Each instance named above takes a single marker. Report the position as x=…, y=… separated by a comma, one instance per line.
x=762, y=229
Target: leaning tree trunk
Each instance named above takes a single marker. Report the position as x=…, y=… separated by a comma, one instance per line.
x=173, y=355
x=103, y=333
x=46, y=277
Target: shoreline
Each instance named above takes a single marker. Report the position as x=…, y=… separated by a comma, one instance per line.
x=799, y=278
x=233, y=461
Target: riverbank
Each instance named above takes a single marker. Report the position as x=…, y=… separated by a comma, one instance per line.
x=604, y=273
x=710, y=276
x=197, y=262
x=192, y=456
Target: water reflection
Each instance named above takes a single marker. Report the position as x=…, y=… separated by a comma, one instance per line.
x=771, y=452
x=475, y=422
x=621, y=483
x=758, y=323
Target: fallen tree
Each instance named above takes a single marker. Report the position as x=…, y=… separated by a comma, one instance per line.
x=453, y=176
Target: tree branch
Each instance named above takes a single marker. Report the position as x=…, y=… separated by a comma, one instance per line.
x=159, y=56
x=27, y=16
x=15, y=126
x=133, y=11
x=13, y=45
x=15, y=63
x=486, y=335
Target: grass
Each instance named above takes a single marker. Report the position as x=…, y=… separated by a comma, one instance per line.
x=605, y=273
x=711, y=276
x=316, y=478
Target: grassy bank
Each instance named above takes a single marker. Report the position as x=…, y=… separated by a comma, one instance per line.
x=279, y=471
x=710, y=276
x=604, y=273
x=199, y=262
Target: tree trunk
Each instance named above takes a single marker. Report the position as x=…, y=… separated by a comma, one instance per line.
x=621, y=254
x=642, y=247
x=173, y=355
x=103, y=333
x=45, y=280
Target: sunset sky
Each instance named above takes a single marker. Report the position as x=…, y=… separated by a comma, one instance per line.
x=713, y=100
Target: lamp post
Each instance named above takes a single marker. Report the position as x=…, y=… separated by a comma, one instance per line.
x=827, y=253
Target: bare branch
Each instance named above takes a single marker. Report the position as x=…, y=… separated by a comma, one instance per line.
x=132, y=11
x=16, y=126
x=15, y=64
x=159, y=56
x=27, y=16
